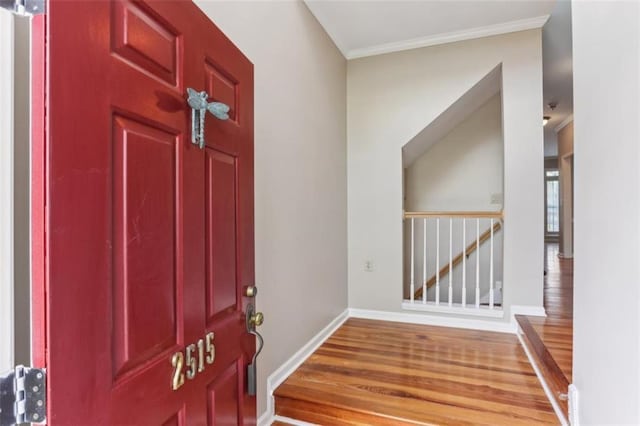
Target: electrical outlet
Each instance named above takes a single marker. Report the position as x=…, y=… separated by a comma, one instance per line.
x=496, y=198
x=368, y=265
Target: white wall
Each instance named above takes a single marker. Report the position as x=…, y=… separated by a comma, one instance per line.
x=462, y=170
x=6, y=190
x=390, y=98
x=300, y=171
x=606, y=55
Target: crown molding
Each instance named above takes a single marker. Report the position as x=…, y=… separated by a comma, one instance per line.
x=443, y=38
x=564, y=123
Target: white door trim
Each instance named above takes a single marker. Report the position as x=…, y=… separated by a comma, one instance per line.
x=6, y=190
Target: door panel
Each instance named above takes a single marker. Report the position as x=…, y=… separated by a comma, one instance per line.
x=144, y=253
x=221, y=233
x=149, y=239
x=145, y=41
x=222, y=401
x=222, y=87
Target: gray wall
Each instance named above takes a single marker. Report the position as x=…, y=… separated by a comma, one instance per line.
x=300, y=171
x=606, y=349
x=22, y=192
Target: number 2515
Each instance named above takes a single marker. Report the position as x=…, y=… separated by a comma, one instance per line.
x=194, y=358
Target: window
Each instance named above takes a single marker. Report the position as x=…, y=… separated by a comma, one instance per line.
x=552, y=190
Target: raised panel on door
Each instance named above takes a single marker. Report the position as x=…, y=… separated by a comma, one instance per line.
x=223, y=406
x=221, y=235
x=146, y=307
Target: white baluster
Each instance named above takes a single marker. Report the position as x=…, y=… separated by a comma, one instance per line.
x=491, y=270
x=437, y=261
x=450, y=261
x=412, y=262
x=424, y=261
x=464, y=263
x=477, y=263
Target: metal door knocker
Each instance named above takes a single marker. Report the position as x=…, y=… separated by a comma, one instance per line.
x=199, y=107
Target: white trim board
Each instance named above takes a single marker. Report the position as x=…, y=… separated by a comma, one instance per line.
x=532, y=311
x=290, y=421
x=543, y=382
x=456, y=308
x=440, y=321
x=443, y=38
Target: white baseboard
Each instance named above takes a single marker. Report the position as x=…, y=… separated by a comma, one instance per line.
x=267, y=417
x=472, y=324
x=292, y=422
x=543, y=382
x=532, y=311
x=456, y=309
x=574, y=420
x=289, y=366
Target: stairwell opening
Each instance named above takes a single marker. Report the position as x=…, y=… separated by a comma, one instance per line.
x=453, y=184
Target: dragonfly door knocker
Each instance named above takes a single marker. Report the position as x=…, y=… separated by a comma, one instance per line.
x=199, y=107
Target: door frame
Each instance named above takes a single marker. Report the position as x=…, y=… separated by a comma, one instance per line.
x=6, y=191
x=566, y=205
x=38, y=180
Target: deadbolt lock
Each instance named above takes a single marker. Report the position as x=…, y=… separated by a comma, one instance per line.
x=251, y=291
x=257, y=319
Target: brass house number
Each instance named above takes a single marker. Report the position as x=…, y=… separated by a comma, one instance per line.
x=193, y=360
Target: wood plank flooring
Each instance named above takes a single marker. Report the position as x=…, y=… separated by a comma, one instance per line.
x=385, y=373
x=550, y=338
x=556, y=330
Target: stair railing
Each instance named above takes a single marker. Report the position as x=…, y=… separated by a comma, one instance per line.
x=458, y=295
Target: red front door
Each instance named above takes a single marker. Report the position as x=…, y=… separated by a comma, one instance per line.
x=148, y=239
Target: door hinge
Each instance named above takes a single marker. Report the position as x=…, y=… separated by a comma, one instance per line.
x=23, y=396
x=24, y=7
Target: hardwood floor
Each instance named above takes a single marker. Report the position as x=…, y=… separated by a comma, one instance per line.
x=551, y=338
x=384, y=373
x=556, y=330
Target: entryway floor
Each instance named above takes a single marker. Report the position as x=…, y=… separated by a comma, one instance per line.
x=385, y=373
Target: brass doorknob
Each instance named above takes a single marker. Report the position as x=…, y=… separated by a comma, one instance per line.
x=251, y=291
x=257, y=319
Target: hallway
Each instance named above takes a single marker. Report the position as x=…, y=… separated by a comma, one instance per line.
x=550, y=338
x=556, y=330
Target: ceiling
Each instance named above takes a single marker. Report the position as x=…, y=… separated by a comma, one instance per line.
x=459, y=111
x=362, y=28
x=557, y=71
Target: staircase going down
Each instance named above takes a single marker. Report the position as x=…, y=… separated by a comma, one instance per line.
x=458, y=259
